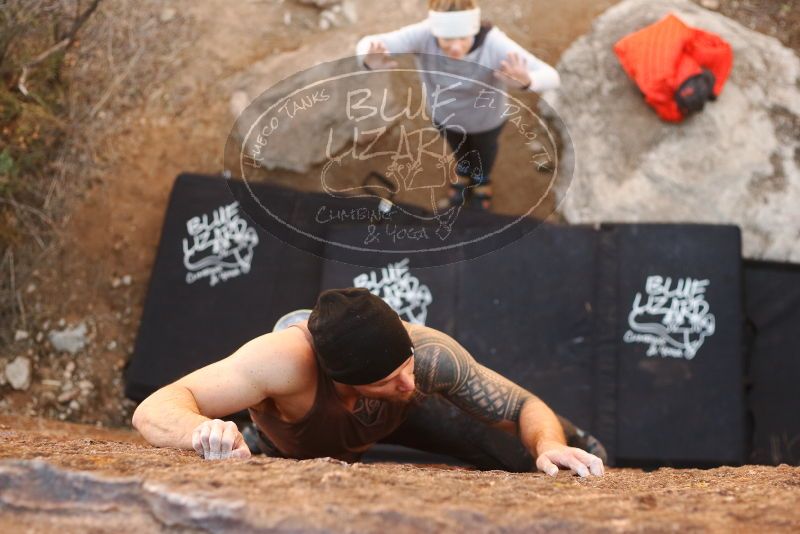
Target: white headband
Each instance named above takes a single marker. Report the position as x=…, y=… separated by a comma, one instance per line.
x=455, y=24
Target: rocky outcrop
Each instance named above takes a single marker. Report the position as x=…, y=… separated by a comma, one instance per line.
x=736, y=162
x=305, y=93
x=72, y=478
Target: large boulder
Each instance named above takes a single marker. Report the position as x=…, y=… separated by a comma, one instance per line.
x=317, y=74
x=736, y=162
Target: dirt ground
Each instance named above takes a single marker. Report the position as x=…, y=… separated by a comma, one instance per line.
x=166, y=112
x=91, y=480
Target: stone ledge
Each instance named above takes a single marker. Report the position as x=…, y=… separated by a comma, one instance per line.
x=50, y=480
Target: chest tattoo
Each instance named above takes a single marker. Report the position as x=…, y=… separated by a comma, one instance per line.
x=368, y=411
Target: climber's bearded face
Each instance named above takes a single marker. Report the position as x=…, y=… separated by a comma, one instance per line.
x=398, y=386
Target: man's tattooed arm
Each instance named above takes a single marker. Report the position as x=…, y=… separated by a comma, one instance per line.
x=442, y=365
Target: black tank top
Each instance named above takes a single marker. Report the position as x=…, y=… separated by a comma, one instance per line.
x=329, y=428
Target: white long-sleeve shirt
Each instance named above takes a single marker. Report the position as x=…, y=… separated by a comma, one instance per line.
x=473, y=106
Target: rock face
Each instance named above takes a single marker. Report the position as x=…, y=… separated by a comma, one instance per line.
x=73, y=478
x=304, y=92
x=736, y=162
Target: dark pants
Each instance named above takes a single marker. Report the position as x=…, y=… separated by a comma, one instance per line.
x=474, y=152
x=436, y=425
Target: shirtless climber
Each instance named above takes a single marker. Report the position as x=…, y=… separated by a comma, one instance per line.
x=355, y=374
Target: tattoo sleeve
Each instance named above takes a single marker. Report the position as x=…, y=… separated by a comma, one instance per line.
x=443, y=366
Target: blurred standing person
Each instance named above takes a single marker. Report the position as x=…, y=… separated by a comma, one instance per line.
x=454, y=30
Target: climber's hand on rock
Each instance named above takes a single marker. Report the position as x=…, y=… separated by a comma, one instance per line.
x=555, y=455
x=217, y=440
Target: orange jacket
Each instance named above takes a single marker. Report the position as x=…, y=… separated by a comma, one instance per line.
x=660, y=57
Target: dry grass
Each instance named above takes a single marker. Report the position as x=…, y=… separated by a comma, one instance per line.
x=68, y=68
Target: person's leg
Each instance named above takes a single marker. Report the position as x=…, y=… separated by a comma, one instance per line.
x=466, y=161
x=436, y=425
x=258, y=442
x=577, y=437
x=486, y=146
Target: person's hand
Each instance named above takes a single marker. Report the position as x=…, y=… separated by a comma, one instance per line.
x=514, y=71
x=217, y=440
x=378, y=57
x=554, y=454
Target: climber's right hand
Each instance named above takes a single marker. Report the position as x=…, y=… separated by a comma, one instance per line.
x=378, y=57
x=217, y=440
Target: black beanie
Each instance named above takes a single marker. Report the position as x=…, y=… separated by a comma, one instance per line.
x=359, y=339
